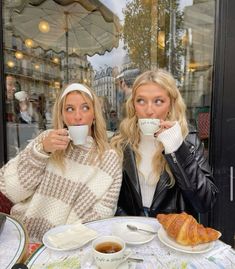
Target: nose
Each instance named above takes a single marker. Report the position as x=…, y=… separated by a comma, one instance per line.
x=149, y=109
x=78, y=116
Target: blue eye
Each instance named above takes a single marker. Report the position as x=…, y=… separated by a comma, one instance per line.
x=158, y=101
x=140, y=101
x=85, y=108
x=69, y=109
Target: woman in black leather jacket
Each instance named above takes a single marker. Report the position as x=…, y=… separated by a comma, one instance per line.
x=166, y=172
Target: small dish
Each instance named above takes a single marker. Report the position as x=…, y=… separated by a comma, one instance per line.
x=133, y=237
x=63, y=229
x=127, y=265
x=166, y=240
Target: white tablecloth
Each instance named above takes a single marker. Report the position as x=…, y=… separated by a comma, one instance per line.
x=155, y=254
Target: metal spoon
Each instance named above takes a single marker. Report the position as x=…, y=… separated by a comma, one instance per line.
x=132, y=259
x=134, y=228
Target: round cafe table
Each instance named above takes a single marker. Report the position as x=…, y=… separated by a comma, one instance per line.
x=13, y=242
x=154, y=253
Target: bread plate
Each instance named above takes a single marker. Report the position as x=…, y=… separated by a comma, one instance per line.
x=200, y=248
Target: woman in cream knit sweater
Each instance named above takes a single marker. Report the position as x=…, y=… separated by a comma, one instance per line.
x=53, y=182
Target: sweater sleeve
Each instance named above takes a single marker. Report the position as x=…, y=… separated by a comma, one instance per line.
x=171, y=138
x=22, y=174
x=106, y=206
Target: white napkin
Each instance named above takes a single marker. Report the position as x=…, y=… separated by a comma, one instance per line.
x=75, y=236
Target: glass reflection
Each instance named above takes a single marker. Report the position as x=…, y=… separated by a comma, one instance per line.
x=177, y=35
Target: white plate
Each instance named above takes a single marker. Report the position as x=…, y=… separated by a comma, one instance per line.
x=201, y=248
x=133, y=237
x=13, y=241
x=60, y=229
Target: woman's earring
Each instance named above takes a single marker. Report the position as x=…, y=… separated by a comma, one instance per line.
x=168, y=115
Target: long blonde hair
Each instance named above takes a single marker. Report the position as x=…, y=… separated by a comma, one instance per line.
x=98, y=128
x=129, y=132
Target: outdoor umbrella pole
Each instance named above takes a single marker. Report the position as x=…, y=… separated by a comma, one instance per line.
x=67, y=47
x=67, y=57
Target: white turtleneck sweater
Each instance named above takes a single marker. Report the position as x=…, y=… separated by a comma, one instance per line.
x=147, y=149
x=171, y=140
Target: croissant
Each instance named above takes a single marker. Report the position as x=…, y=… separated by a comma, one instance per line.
x=185, y=229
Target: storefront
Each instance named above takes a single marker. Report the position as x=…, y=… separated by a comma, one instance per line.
x=186, y=37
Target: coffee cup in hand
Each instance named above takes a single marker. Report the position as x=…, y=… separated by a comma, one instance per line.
x=78, y=134
x=149, y=126
x=109, y=252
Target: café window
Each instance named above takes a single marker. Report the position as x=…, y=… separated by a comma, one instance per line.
x=43, y=53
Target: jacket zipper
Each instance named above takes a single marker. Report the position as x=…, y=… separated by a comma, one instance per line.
x=174, y=157
x=161, y=189
x=180, y=168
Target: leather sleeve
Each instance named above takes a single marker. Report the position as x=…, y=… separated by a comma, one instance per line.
x=192, y=174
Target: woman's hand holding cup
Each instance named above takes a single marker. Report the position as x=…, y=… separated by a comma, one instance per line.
x=56, y=140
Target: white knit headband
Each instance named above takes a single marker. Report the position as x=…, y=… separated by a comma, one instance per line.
x=76, y=87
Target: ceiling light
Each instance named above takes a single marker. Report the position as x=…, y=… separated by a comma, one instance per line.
x=10, y=63
x=29, y=43
x=44, y=26
x=19, y=55
x=56, y=60
x=36, y=66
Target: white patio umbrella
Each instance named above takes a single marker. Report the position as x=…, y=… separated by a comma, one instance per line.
x=83, y=27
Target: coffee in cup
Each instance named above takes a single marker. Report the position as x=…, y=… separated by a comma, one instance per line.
x=109, y=252
x=78, y=134
x=149, y=126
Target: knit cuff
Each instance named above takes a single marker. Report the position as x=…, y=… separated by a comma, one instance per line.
x=38, y=153
x=171, y=138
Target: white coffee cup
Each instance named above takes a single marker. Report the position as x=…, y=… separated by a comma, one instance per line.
x=109, y=252
x=78, y=134
x=149, y=126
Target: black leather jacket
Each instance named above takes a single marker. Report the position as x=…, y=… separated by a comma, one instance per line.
x=193, y=192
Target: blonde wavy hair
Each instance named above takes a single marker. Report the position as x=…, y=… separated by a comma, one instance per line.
x=98, y=128
x=129, y=132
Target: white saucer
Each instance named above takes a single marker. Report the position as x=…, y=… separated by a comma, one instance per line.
x=127, y=265
x=133, y=237
x=124, y=265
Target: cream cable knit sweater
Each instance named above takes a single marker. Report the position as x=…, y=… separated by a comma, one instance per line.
x=45, y=196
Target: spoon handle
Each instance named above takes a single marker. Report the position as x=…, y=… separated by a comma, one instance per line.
x=147, y=231
x=135, y=259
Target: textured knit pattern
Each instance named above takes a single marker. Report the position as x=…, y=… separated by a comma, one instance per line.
x=171, y=138
x=45, y=195
x=147, y=149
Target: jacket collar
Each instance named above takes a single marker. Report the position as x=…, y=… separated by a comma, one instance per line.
x=129, y=166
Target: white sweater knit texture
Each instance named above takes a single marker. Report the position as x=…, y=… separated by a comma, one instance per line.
x=44, y=196
x=171, y=140
x=147, y=149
